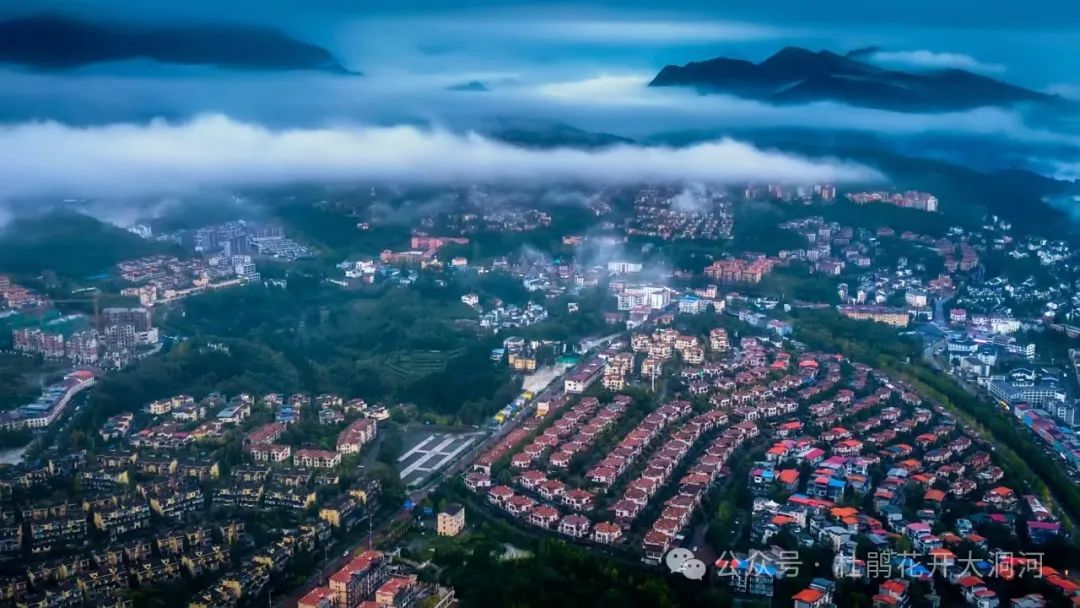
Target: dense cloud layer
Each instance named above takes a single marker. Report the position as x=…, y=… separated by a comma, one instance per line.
x=48, y=158
x=923, y=59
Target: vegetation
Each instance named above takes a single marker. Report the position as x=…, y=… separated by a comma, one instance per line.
x=15, y=438
x=872, y=343
x=19, y=377
x=68, y=243
x=558, y=574
x=391, y=346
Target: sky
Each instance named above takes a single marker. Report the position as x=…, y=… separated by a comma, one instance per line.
x=137, y=126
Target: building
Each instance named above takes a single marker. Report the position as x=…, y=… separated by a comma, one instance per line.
x=624, y=267
x=320, y=459
x=399, y=591
x=1027, y=386
x=582, y=378
x=878, y=314
x=522, y=362
x=138, y=317
x=739, y=271
x=644, y=296
x=270, y=452
x=319, y=597
x=355, y=436
x=52, y=402
x=923, y=201
x=916, y=298
x=718, y=339
x=692, y=305
x=359, y=578
x=451, y=521
x=267, y=433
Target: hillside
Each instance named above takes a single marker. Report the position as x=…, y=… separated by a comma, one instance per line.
x=70, y=244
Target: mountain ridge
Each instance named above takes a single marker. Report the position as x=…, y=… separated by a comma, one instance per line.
x=798, y=75
x=49, y=41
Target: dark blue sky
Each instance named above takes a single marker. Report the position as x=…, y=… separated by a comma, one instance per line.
x=1037, y=42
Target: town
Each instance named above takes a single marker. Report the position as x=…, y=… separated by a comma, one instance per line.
x=839, y=411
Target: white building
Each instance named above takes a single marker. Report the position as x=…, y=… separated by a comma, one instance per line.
x=623, y=267
x=648, y=296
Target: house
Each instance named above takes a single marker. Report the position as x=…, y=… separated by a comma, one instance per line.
x=606, y=533
x=848, y=447
x=532, y=479
x=1001, y=497
x=810, y=598
x=201, y=470
x=270, y=452
x=291, y=497
x=355, y=436
x=626, y=510
x=934, y=497
x=552, y=489
x=754, y=574
x=451, y=520
x=519, y=505
x=579, y=500
x=1041, y=532
x=544, y=516
x=477, y=480
x=500, y=495
x=655, y=545
x=121, y=520
x=320, y=459
x=576, y=526
x=892, y=594
x=177, y=504
x=202, y=561
x=341, y=511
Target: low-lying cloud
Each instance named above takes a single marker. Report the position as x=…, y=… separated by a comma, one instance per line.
x=923, y=59
x=215, y=151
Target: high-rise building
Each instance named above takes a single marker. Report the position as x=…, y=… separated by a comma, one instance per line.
x=138, y=317
x=120, y=337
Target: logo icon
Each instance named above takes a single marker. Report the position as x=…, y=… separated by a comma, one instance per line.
x=683, y=560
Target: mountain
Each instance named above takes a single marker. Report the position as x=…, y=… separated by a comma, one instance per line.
x=543, y=134
x=70, y=243
x=54, y=42
x=796, y=75
x=472, y=86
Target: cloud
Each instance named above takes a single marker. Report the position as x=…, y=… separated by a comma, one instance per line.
x=539, y=25
x=618, y=102
x=602, y=86
x=1066, y=90
x=936, y=61
x=214, y=151
x=646, y=31
x=626, y=105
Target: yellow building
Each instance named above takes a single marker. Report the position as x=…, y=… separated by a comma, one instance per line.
x=522, y=363
x=451, y=521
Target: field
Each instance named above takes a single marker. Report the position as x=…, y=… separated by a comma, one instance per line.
x=411, y=364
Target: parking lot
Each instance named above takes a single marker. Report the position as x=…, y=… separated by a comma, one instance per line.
x=426, y=453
